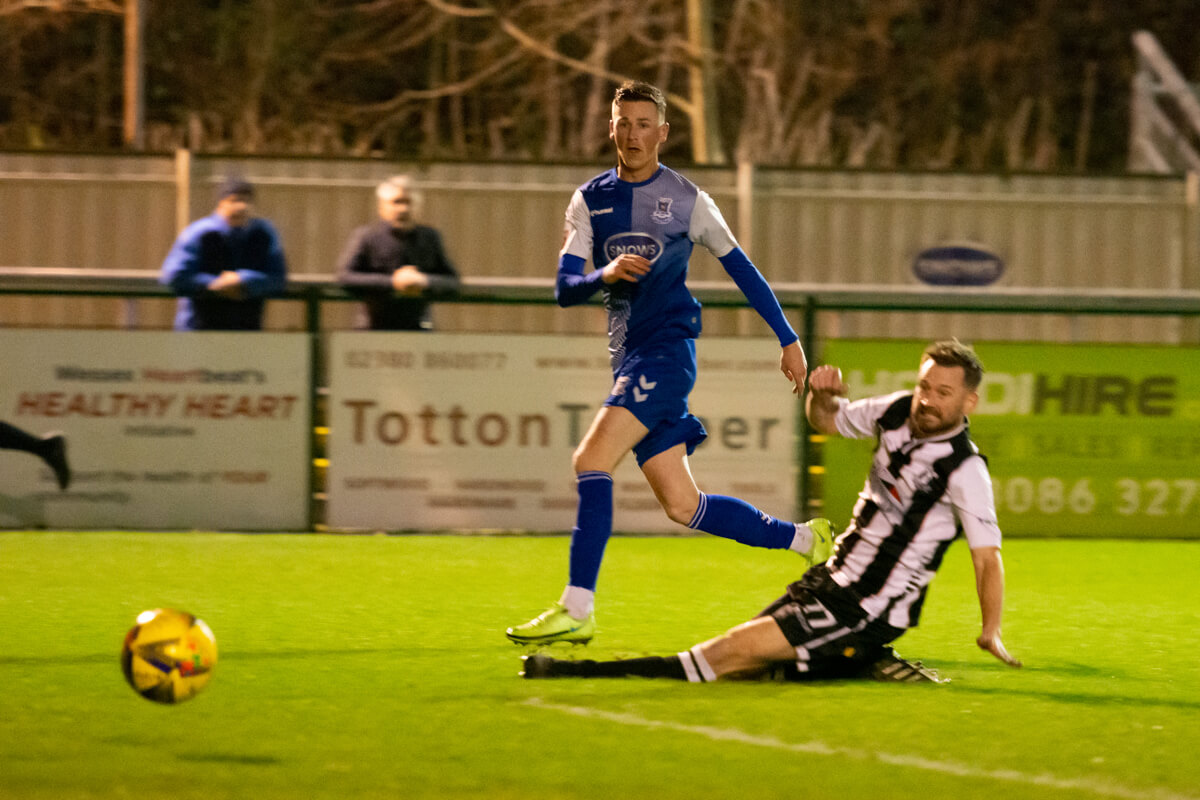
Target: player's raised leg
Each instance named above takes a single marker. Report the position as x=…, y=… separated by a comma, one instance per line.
x=670, y=476
x=613, y=433
x=51, y=448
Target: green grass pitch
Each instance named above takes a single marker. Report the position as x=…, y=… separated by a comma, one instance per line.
x=376, y=667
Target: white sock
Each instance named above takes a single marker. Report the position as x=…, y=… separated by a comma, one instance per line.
x=696, y=667
x=578, y=601
x=802, y=542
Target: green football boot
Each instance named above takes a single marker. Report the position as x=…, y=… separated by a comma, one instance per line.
x=822, y=544
x=554, y=625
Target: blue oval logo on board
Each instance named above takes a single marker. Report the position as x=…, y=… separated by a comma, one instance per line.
x=640, y=244
x=962, y=264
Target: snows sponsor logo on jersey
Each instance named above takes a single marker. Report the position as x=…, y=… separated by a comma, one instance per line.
x=639, y=244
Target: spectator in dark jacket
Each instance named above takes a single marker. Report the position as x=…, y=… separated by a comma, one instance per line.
x=396, y=265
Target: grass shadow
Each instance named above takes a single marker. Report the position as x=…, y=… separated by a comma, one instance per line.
x=29, y=511
x=237, y=655
x=1078, y=698
x=229, y=758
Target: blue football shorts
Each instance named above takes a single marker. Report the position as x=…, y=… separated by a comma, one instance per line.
x=654, y=386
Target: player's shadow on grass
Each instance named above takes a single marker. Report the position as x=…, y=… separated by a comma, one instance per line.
x=1066, y=669
x=1082, y=698
x=1069, y=669
x=29, y=511
x=230, y=758
x=67, y=660
x=265, y=655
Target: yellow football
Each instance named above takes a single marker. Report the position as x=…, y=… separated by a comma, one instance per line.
x=168, y=656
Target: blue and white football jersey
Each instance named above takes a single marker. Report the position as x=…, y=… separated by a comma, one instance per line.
x=658, y=219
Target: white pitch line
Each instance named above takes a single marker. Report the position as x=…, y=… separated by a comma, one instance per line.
x=1047, y=780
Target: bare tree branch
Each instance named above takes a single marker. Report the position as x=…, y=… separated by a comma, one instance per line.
x=58, y=6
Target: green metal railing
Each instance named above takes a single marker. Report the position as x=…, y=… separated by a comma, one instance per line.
x=811, y=300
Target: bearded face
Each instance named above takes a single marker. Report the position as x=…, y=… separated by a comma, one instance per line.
x=941, y=400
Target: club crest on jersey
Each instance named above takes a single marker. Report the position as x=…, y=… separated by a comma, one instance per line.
x=662, y=212
x=639, y=244
x=922, y=478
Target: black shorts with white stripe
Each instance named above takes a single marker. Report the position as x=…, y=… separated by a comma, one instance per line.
x=832, y=637
x=890, y=667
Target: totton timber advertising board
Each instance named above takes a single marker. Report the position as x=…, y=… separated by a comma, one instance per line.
x=457, y=431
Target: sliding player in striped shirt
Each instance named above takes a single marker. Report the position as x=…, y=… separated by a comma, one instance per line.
x=927, y=484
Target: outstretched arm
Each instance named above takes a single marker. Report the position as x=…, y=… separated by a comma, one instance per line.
x=989, y=584
x=825, y=392
x=792, y=361
x=794, y=365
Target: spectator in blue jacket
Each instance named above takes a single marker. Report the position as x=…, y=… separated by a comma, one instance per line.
x=224, y=266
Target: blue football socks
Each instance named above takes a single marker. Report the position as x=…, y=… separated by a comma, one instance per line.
x=736, y=519
x=593, y=526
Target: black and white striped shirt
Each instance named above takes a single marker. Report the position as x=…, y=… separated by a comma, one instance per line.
x=919, y=495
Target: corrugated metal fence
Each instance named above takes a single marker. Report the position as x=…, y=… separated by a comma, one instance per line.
x=832, y=228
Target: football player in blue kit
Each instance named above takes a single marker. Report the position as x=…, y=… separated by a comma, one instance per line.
x=638, y=223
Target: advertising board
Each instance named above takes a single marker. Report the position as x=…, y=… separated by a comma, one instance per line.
x=1081, y=440
x=472, y=431
x=164, y=429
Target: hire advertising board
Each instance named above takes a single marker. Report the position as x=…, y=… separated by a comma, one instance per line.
x=165, y=430
x=1081, y=440
x=466, y=431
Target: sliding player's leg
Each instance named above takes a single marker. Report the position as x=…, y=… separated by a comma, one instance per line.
x=746, y=651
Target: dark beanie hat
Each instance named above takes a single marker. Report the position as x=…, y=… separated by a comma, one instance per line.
x=232, y=185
